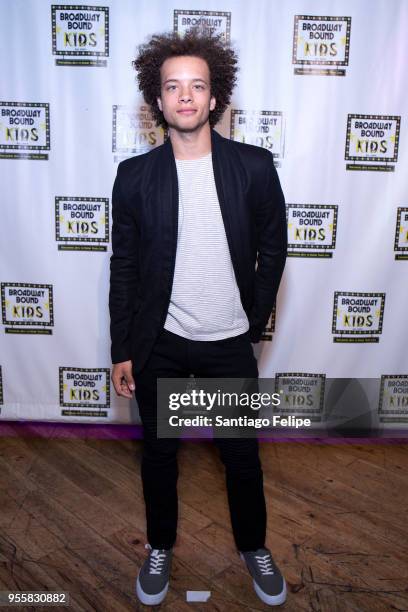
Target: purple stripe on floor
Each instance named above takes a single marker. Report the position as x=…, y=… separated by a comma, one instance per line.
x=49, y=429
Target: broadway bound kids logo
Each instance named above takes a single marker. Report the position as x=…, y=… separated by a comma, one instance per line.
x=24, y=130
x=81, y=388
x=134, y=131
x=321, y=45
x=401, y=234
x=81, y=224
x=211, y=22
x=357, y=317
x=373, y=139
x=263, y=128
x=311, y=229
x=301, y=394
x=27, y=308
x=80, y=35
x=393, y=402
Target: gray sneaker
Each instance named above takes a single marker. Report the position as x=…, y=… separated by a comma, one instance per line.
x=269, y=584
x=153, y=580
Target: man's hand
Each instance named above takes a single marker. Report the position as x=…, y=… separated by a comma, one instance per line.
x=122, y=378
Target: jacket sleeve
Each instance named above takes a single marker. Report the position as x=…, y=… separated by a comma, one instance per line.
x=272, y=241
x=123, y=272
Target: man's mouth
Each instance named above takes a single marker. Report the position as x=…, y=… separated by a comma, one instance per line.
x=187, y=111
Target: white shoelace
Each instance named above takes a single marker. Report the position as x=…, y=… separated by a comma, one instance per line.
x=156, y=560
x=265, y=564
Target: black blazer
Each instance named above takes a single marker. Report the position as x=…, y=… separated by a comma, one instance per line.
x=144, y=239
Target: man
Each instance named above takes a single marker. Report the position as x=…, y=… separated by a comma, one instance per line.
x=199, y=245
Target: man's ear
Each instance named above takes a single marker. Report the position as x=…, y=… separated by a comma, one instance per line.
x=212, y=103
x=159, y=104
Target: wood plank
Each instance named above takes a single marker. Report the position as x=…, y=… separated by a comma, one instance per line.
x=336, y=524
x=338, y=492
x=53, y=483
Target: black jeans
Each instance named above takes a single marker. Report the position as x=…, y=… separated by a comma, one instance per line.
x=175, y=356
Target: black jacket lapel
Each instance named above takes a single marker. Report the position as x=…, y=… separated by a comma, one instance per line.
x=228, y=182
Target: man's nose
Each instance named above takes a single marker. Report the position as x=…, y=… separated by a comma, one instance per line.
x=185, y=96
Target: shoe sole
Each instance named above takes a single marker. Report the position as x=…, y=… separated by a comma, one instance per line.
x=150, y=600
x=271, y=600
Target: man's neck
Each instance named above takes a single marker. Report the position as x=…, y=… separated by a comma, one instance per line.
x=191, y=145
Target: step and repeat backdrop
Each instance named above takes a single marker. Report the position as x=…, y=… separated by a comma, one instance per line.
x=322, y=86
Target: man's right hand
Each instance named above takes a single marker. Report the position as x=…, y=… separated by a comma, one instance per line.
x=122, y=378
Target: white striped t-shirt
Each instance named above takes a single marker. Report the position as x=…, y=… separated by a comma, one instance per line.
x=205, y=303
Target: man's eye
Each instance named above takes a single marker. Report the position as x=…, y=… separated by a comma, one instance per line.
x=199, y=86
x=171, y=87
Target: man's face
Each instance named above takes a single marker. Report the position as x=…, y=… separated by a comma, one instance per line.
x=185, y=97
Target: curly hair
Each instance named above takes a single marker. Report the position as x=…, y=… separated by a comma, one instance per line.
x=220, y=57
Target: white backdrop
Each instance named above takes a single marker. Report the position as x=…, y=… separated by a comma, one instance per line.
x=55, y=356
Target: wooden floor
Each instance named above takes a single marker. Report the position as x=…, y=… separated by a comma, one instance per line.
x=72, y=519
